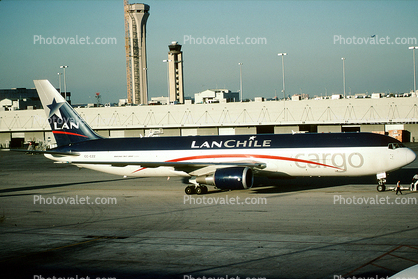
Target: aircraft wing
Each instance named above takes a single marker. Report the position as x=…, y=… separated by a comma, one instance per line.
x=193, y=168
x=171, y=164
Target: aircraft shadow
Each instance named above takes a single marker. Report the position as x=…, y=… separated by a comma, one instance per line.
x=263, y=185
x=52, y=186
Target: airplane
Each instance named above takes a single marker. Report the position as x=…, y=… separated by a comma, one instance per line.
x=228, y=162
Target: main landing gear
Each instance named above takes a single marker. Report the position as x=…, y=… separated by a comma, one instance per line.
x=196, y=189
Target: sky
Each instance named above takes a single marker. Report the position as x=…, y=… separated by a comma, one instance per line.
x=372, y=36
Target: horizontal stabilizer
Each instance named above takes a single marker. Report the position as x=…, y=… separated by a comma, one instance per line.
x=52, y=152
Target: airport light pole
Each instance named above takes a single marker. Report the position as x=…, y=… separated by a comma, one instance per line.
x=59, y=80
x=168, y=82
x=415, y=71
x=282, y=55
x=343, y=59
x=65, y=83
x=240, y=79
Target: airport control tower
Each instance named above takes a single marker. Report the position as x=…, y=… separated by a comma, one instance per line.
x=175, y=73
x=136, y=16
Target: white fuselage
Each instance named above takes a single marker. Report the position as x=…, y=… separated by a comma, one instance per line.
x=310, y=154
x=341, y=161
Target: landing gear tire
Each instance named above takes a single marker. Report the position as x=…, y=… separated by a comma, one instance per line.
x=381, y=188
x=189, y=190
x=199, y=190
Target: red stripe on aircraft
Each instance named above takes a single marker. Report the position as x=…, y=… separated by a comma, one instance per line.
x=249, y=157
x=68, y=133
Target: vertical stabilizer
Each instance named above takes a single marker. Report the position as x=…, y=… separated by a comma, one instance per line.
x=67, y=126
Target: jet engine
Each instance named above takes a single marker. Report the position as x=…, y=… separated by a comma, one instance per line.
x=229, y=178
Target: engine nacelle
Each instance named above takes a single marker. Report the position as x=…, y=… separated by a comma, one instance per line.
x=229, y=178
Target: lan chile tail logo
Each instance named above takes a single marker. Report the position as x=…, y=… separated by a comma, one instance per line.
x=60, y=124
x=54, y=108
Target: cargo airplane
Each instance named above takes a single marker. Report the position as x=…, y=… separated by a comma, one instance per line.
x=227, y=162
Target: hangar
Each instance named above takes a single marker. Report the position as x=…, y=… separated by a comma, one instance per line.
x=396, y=116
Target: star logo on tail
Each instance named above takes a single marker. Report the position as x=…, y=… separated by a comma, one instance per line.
x=54, y=108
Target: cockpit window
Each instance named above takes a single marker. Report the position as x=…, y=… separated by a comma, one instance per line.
x=395, y=145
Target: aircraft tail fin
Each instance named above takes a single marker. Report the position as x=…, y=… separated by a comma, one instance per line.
x=67, y=126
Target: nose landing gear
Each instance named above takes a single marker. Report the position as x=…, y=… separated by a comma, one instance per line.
x=381, y=187
x=381, y=180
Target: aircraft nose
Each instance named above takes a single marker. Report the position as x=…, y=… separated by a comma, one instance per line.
x=410, y=156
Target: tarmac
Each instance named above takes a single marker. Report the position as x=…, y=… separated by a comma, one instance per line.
x=60, y=221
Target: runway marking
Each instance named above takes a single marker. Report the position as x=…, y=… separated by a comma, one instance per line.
x=389, y=253
x=382, y=267
x=396, y=256
x=328, y=245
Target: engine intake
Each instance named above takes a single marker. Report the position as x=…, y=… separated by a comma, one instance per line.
x=229, y=178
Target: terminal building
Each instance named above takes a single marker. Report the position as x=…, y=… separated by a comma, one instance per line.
x=19, y=98
x=23, y=99
x=216, y=96
x=397, y=116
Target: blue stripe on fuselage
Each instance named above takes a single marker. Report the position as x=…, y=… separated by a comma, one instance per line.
x=308, y=140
